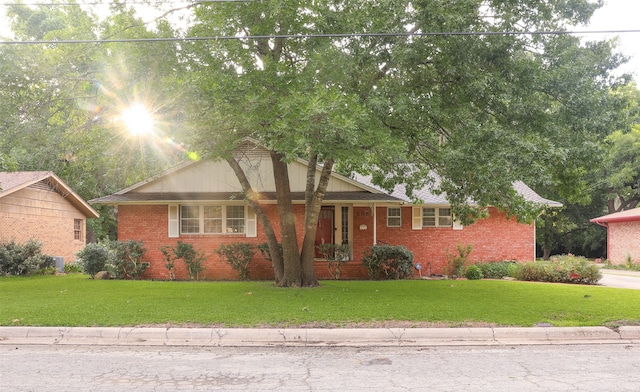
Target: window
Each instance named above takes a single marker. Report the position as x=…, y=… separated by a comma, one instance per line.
x=190, y=219
x=436, y=217
x=428, y=217
x=345, y=225
x=444, y=217
x=235, y=219
x=212, y=219
x=77, y=229
x=394, y=217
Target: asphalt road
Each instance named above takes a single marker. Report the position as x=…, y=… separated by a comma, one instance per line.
x=611, y=367
x=621, y=279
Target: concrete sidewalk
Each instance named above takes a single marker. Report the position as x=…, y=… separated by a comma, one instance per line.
x=238, y=337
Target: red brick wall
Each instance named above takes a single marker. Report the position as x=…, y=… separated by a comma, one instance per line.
x=493, y=238
x=623, y=242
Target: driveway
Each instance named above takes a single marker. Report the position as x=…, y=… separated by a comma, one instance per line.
x=620, y=278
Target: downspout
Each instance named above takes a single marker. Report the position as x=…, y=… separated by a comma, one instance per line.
x=375, y=225
x=535, y=240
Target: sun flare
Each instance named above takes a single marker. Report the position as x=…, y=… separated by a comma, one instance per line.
x=137, y=119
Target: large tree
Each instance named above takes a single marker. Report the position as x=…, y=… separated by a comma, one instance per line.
x=621, y=173
x=460, y=94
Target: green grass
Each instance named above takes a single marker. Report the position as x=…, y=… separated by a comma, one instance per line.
x=76, y=300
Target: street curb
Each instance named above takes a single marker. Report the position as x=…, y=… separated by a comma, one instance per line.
x=334, y=337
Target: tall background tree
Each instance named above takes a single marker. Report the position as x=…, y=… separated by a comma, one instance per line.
x=62, y=104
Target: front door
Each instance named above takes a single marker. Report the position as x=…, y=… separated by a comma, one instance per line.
x=326, y=228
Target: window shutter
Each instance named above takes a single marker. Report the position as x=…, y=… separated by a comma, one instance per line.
x=174, y=221
x=416, y=221
x=251, y=224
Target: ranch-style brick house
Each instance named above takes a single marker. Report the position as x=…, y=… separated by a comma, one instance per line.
x=623, y=232
x=39, y=205
x=201, y=203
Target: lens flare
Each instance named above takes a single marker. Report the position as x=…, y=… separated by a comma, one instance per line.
x=137, y=119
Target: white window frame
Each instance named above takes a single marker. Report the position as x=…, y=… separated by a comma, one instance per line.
x=226, y=227
x=439, y=220
x=397, y=219
x=77, y=229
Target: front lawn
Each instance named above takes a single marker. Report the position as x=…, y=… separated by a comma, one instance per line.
x=76, y=300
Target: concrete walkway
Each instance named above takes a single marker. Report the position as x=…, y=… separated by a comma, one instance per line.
x=239, y=337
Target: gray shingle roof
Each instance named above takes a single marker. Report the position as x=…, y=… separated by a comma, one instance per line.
x=427, y=196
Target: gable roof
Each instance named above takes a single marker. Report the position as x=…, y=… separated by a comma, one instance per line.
x=184, y=183
x=622, y=216
x=427, y=196
x=11, y=182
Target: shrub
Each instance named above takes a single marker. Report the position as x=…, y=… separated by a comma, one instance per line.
x=498, y=269
x=126, y=260
x=93, y=258
x=22, y=259
x=239, y=255
x=336, y=256
x=50, y=270
x=169, y=258
x=388, y=262
x=192, y=258
x=561, y=269
x=456, y=263
x=474, y=273
x=72, y=268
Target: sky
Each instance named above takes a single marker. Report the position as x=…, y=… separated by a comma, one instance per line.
x=620, y=15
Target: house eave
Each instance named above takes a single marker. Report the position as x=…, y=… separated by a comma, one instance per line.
x=66, y=192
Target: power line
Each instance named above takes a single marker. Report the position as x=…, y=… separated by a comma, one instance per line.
x=94, y=3
x=307, y=36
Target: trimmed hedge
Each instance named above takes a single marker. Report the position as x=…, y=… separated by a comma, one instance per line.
x=388, y=262
x=560, y=269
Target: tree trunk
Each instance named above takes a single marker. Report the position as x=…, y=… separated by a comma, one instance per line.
x=313, y=204
x=272, y=240
x=290, y=251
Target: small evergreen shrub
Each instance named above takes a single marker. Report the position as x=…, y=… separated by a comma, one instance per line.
x=72, y=268
x=22, y=259
x=192, y=258
x=456, y=263
x=93, y=258
x=336, y=256
x=388, y=262
x=239, y=255
x=50, y=270
x=126, y=260
x=185, y=252
x=169, y=258
x=474, y=273
x=561, y=269
x=498, y=269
